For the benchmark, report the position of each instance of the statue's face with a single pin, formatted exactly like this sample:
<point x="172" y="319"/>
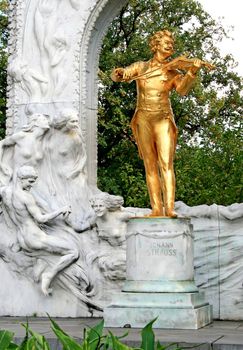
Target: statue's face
<point x="27" y="183"/>
<point x="166" y="46"/>
<point x="73" y="122"/>
<point x="99" y="208"/>
<point x="42" y="121"/>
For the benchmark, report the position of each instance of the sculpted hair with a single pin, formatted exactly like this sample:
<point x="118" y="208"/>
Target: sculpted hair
<point x="34" y="121"/>
<point x="155" y="39"/>
<point x="60" y="121"/>
<point x="111" y="202"/>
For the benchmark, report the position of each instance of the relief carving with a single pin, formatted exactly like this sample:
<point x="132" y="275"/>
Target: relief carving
<point x="53" y="45"/>
<point x="32" y="82"/>
<point x="50" y="230"/>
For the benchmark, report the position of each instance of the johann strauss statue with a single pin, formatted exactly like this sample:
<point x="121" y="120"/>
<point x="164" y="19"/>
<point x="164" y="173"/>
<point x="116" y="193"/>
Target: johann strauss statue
<point x="153" y="123"/>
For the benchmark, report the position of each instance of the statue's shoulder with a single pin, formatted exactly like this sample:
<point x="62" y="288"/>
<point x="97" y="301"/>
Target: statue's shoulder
<point x="140" y="64"/>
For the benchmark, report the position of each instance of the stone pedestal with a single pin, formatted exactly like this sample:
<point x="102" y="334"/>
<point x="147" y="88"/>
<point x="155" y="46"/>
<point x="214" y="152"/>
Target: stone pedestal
<point x="160" y="278"/>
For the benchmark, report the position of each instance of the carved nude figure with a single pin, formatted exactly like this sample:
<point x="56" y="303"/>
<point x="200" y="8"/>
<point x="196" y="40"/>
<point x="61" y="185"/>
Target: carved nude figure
<point x="67" y="126"/>
<point x="53" y="45"/>
<point x="111" y="218"/>
<point x="32" y="82"/>
<point x="111" y="221"/>
<point x="25" y="145"/>
<point x="66" y="156"/>
<point x="28" y="217"/>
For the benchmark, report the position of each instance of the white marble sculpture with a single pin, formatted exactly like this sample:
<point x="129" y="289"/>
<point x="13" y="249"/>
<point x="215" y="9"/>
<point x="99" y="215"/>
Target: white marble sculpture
<point x="23" y="147"/>
<point x="65" y="162"/>
<point x="52" y="44"/>
<point x="25" y="214"/>
<point x="218" y="255"/>
<point x="111" y="218"/>
<point x="48" y="224"/>
<point x="30" y="81"/>
<point x="111" y="221"/>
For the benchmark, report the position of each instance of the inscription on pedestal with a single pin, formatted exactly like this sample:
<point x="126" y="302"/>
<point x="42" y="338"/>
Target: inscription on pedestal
<point x="161" y="248"/>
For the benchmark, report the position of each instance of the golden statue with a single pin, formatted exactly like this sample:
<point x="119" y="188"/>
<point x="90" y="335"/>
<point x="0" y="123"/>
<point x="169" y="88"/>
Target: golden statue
<point x="153" y="123"/>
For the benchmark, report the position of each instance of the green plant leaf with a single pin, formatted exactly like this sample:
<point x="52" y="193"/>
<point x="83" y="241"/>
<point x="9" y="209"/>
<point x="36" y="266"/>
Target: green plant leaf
<point x="68" y="342"/>
<point x="56" y="326"/>
<point x="107" y="344"/>
<point x="94" y="335"/>
<point x="167" y="346"/>
<point x="32" y="344"/>
<point x="123" y="335"/>
<point x="159" y="346"/>
<point x="24" y="342"/>
<point x="5" y="339"/>
<point x="148" y="342"/>
<point x="13" y="346"/>
<point x="40" y="340"/>
<point x="117" y="345"/>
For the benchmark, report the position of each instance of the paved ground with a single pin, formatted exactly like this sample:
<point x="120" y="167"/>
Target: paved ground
<point x="221" y="335"/>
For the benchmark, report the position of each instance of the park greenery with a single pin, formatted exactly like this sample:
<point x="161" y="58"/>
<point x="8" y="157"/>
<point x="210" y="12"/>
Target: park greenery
<point x="93" y="339"/>
<point x="208" y="160"/>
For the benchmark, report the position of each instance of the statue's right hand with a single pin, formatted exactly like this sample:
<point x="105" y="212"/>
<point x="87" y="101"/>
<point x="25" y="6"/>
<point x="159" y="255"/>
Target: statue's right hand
<point x="117" y="74"/>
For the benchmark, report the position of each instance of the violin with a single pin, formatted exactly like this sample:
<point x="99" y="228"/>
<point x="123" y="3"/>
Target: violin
<point x="180" y="63"/>
<point x="185" y="63"/>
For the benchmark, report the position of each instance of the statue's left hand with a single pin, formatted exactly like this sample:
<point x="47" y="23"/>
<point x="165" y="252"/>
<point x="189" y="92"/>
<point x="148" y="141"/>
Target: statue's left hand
<point x="197" y="64"/>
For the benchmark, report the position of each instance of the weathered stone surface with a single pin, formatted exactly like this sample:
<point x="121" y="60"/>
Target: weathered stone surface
<point x="153" y="246"/>
<point x="167" y="318"/>
<point x="160" y="277"/>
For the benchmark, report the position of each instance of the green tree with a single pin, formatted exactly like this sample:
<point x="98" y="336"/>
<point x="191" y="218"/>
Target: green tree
<point x="209" y="120"/>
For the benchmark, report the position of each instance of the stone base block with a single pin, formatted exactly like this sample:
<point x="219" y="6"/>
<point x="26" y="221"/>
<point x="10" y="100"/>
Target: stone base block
<point x="160" y="286"/>
<point x="172" y="310"/>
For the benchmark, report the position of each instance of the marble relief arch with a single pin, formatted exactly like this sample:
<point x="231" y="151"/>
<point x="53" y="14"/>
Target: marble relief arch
<point x="58" y="244"/>
<point x="51" y="231"/>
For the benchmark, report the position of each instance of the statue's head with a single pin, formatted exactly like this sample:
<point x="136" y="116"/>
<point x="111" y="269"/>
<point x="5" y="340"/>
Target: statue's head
<point x="27" y="176"/>
<point x="17" y="68"/>
<point x="162" y="41"/>
<point x="68" y="120"/>
<point x="104" y="202"/>
<point x="37" y="120"/>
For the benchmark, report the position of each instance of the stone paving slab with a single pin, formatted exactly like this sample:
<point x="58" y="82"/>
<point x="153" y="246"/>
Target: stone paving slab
<point x="221" y="335"/>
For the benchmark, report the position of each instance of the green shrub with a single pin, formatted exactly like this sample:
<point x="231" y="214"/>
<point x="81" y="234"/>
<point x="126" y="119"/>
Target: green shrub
<point x="93" y="339"/>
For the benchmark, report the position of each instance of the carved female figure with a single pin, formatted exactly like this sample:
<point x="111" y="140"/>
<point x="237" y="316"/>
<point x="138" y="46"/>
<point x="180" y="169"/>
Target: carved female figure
<point x="66" y="159"/>
<point x="111" y="218"/>
<point x="25" y="147"/>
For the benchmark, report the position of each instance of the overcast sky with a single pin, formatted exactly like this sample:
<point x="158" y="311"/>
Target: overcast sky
<point x="232" y="11"/>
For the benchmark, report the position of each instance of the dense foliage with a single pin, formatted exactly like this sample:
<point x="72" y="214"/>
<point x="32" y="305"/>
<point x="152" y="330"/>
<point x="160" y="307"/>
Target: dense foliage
<point x="209" y="153"/>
